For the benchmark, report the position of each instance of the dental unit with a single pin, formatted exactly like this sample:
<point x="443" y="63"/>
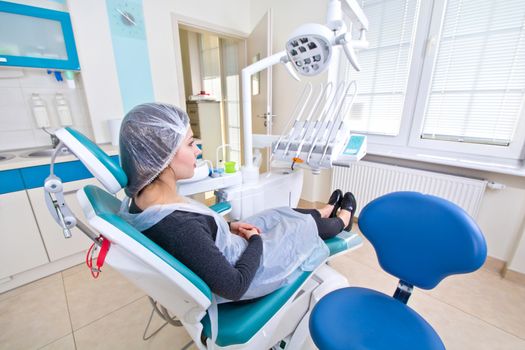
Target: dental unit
<point x="308" y="52"/>
<point x="318" y="137"/>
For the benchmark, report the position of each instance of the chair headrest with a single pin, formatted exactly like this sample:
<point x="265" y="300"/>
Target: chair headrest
<point x="422" y="239"/>
<point x="95" y="159"/>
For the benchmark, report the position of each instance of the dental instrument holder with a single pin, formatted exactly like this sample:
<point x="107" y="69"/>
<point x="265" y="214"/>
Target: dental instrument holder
<point x="57" y="206"/>
<point x="326" y="141"/>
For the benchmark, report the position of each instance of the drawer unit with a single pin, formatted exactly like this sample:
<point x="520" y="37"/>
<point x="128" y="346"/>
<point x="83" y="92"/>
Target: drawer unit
<point x="30" y="237"/>
<point x="22" y="247"/>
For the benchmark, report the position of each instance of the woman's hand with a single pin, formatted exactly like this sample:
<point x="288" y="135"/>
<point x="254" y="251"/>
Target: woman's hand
<point x="235" y="227"/>
<point x="247" y="234"/>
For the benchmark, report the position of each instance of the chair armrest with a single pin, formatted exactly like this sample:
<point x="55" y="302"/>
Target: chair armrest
<point x="222" y="208"/>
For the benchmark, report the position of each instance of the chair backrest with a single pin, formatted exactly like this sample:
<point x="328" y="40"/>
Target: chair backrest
<point x="147" y="265"/>
<point x="422" y="239"/>
<point x="96" y="160"/>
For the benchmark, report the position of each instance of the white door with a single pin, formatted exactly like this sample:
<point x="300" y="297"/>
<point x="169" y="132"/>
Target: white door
<point x="259" y="45"/>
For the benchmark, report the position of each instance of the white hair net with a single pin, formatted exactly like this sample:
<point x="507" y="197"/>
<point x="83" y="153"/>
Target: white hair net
<point x="150" y="135"/>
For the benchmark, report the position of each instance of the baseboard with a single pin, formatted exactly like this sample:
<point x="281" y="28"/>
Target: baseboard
<point x="512" y="275"/>
<point x="494" y="265"/>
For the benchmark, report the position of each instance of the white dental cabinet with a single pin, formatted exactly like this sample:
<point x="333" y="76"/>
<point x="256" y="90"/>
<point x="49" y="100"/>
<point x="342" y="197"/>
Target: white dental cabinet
<point x="33" y="245"/>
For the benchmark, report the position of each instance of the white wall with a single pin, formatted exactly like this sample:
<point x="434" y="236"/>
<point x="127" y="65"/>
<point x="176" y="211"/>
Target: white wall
<point x="518" y="257"/>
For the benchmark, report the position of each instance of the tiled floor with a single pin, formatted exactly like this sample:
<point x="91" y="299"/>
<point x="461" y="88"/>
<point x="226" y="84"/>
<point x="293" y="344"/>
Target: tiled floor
<point x="70" y="310"/>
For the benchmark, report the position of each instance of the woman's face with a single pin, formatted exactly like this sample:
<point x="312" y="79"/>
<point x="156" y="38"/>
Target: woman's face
<point x="184" y="161"/>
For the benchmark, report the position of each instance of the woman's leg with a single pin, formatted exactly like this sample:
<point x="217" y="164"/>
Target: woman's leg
<point x="327" y="227"/>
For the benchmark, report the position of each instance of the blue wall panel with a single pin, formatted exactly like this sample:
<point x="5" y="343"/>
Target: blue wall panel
<point x="11" y="181"/>
<point x="130" y="48"/>
<point x="34" y="177"/>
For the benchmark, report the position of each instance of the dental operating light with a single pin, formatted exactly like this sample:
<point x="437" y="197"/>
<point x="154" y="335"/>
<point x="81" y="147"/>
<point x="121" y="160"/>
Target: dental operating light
<point x="309" y="48"/>
<point x="310" y="53"/>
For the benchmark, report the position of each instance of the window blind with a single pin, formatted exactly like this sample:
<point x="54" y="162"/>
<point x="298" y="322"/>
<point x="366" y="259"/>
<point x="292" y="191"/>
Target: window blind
<point x="382" y="82"/>
<point x="478" y="84"/>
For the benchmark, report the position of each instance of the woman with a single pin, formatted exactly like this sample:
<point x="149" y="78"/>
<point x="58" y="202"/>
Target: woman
<point x="238" y="260"/>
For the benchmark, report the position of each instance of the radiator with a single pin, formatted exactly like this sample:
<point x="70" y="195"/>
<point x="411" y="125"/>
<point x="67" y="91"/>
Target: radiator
<point x="369" y="180"/>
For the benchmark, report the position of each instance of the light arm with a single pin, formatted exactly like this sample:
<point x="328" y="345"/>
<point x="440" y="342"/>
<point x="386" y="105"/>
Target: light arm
<point x="250" y="172"/>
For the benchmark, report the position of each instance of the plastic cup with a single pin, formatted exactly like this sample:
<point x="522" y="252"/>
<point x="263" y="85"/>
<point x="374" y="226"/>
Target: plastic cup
<point x="229" y="167"/>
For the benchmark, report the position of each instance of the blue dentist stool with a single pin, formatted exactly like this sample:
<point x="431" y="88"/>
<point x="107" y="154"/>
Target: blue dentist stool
<point x="420" y="239"/>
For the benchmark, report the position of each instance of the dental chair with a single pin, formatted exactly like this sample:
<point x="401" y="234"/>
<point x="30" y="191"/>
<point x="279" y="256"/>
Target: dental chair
<point x="421" y="239"/>
<point x="278" y="320"/>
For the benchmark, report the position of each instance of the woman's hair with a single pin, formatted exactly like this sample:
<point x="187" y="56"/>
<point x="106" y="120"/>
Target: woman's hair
<point x="150" y="135"/>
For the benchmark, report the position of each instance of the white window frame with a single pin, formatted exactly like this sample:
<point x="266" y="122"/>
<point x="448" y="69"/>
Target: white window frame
<point x="513" y="151"/>
<point x="408" y="144"/>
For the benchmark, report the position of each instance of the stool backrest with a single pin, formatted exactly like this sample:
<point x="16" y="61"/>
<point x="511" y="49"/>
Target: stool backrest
<point x="422" y="239"/>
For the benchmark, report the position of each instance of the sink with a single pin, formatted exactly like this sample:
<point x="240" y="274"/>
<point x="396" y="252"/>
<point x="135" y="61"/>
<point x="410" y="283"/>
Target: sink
<point x="46" y="152"/>
<point x="6" y="156"/>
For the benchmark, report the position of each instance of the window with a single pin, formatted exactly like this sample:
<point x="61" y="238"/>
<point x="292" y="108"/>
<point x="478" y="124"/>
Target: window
<point x="382" y="81"/>
<point x="210" y="64"/>
<point x="446" y="76"/>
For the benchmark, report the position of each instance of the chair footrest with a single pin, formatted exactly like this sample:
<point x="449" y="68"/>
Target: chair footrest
<point x="343" y="241"/>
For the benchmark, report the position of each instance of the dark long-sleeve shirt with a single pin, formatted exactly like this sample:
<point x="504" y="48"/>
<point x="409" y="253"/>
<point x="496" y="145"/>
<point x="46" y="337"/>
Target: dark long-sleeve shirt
<point x="190" y="238"/>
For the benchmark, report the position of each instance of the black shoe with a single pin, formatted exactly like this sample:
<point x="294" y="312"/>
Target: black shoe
<point x="349" y="203"/>
<point x="335" y="200"/>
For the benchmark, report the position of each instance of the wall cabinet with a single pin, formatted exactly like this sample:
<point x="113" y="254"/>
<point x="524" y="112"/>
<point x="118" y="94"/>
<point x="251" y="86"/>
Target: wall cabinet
<point x="36" y="37"/>
<point x="57" y="246"/>
<point x="205" y="120"/>
<point x="22" y="247"/>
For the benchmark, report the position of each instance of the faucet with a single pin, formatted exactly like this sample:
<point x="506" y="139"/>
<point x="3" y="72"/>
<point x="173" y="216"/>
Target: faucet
<point x="54" y="140"/>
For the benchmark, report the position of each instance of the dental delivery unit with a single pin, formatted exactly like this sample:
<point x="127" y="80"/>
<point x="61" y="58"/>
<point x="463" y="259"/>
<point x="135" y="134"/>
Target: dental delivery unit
<point x="317" y="137"/>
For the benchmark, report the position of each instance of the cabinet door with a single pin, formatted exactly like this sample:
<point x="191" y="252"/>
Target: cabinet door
<point x="36" y="37"/>
<point x="21" y="246"/>
<point x="57" y="246"/>
<point x="210" y="130"/>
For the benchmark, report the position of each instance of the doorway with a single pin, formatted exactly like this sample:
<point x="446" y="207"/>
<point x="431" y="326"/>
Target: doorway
<point x="211" y="64"/>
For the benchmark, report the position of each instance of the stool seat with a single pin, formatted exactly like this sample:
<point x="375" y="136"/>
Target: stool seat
<point x="360" y="318"/>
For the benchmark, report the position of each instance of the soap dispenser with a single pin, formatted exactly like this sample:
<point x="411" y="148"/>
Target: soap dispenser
<point x="38" y="106"/>
<point x="63" y="111"/>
